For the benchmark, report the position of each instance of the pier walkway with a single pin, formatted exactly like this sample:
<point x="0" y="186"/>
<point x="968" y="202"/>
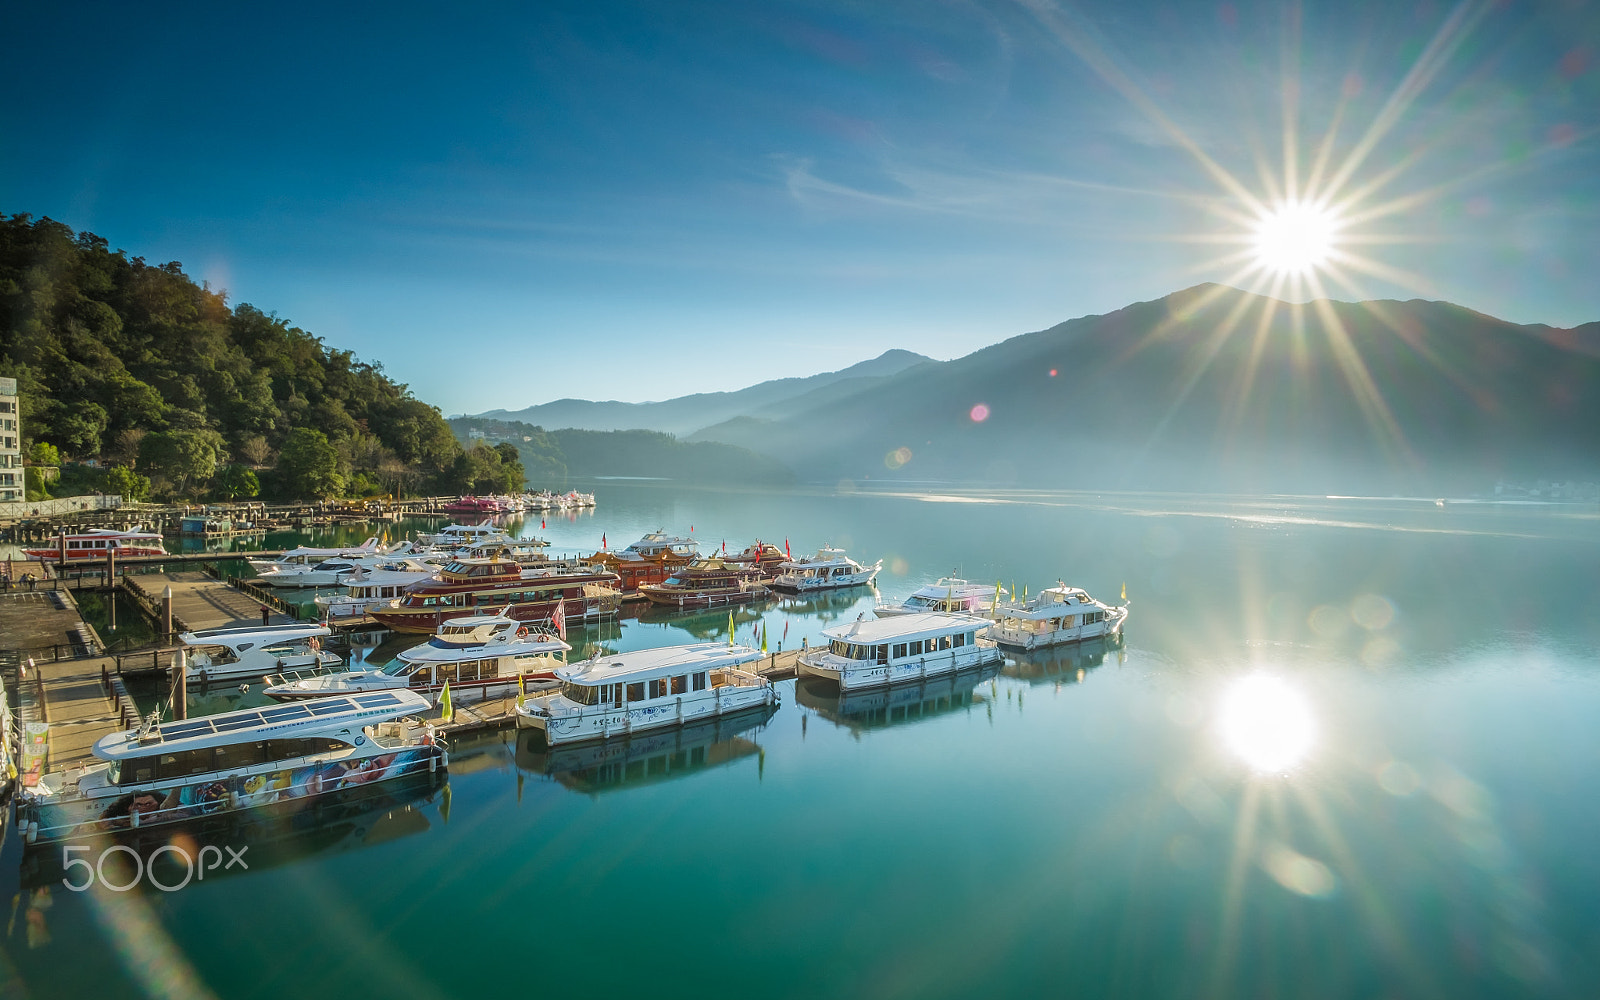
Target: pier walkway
<point x="200" y="602"/>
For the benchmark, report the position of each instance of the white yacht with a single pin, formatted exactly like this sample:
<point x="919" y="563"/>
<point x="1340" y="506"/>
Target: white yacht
<point x="828" y="569"/>
<point x="950" y="594"/>
<point x="327" y="573"/>
<point x="175" y="771"/>
<point x="871" y="652"/>
<point x="1059" y="615"/>
<point x="307" y="556"/>
<point x="656" y="545"/>
<point x="253" y="651"/>
<point x="630" y="692"/>
<point x="382" y="583"/>
<point x="460" y="536"/>
<point x="479" y="656"/>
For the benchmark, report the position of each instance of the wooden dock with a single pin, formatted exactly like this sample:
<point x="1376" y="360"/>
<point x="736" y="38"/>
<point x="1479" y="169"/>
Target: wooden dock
<point x="199" y="601"/>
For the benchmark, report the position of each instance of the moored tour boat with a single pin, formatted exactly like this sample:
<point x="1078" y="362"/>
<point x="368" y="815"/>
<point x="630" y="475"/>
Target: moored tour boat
<point x="651" y="559"/>
<point x="365" y="588"/>
<point x="1058" y="615"/>
<point x="527" y="595"/>
<point x="479" y="656"/>
<point x="307" y="556"/>
<point x="97" y="543"/>
<point x="629" y="692"/>
<point x="460" y="536"/>
<point x="949" y="594"/>
<point x="763" y="558"/>
<point x="828" y="569"/>
<point x="277" y="756"/>
<point x="706" y="583"/>
<point x="253" y="651"/>
<point x="871" y="652"/>
<point x="475" y="505"/>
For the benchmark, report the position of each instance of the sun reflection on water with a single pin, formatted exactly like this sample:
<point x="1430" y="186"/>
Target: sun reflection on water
<point x="1267" y="723"/>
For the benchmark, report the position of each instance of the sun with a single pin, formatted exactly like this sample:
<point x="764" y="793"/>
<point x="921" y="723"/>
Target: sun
<point x="1266" y="723"/>
<point x="1295" y="238"/>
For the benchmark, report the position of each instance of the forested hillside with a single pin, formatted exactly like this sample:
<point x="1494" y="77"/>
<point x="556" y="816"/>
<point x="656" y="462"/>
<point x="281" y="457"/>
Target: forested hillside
<point x="172" y="390"/>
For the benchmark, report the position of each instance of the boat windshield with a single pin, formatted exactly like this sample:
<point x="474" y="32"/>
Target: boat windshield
<point x="397" y="668"/>
<point x="672" y="581"/>
<point x="583" y="694"/>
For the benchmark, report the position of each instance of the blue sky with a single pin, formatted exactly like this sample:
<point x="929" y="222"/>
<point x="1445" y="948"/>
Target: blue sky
<point x="506" y="205"/>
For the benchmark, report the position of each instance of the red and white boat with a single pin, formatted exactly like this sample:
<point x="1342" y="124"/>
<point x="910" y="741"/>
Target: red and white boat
<point x="97" y="543"/>
<point x="504" y="586"/>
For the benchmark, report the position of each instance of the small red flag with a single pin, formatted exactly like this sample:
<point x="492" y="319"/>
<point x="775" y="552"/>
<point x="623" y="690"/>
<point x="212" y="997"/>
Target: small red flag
<point x="602" y="541"/>
<point x="786" y="551"/>
<point x="541" y="524"/>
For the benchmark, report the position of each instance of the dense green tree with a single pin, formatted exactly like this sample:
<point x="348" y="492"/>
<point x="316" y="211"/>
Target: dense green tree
<point x="44" y="453"/>
<point x="128" y="484"/>
<point x="308" y="466"/>
<point x="236" y="482"/>
<point x="184" y="460"/>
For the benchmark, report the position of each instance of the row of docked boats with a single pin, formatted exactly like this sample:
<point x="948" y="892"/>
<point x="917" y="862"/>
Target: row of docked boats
<point x="332" y="731"/>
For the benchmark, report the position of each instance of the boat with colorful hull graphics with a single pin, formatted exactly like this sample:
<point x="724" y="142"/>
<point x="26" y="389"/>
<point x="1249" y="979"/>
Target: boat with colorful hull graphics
<point x="278" y="756"/>
<point x="652" y="559"/>
<point x="707" y="583"/>
<point x="479" y="656"/>
<point x="501" y="585"/>
<point x="626" y="693"/>
<point x="872" y="652"/>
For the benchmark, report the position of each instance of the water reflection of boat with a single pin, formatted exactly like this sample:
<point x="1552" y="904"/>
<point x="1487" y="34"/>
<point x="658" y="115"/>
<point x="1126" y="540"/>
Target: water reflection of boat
<point x="879" y="707"/>
<point x="346" y="820"/>
<point x="704" y="624"/>
<point x="829" y="605"/>
<point x="646" y="757"/>
<point x="1058" y="663"/>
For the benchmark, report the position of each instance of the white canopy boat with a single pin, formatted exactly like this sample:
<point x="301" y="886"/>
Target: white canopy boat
<point x="460" y="536"/>
<point x="1058" y="615"/>
<point x="630" y="692"/>
<point x="306" y="556"/>
<point x="828" y="569"/>
<point x="479" y="656"/>
<point x="253" y="651"/>
<point x="383" y="583"/>
<point x="950" y="594"/>
<point x="871" y="652"/>
<point x="282" y="754"/>
<point x="327" y="573"/>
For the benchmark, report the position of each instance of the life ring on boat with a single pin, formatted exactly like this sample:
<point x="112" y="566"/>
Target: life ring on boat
<point x="522" y="632"/>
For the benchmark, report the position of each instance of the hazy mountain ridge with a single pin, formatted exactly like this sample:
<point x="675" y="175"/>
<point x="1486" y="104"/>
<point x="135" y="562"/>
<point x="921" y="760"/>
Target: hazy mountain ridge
<point x="1411" y="395"/>
<point x="684" y="414"/>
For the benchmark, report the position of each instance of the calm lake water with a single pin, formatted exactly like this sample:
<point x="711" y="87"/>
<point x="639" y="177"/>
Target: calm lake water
<point x="1348" y="749"/>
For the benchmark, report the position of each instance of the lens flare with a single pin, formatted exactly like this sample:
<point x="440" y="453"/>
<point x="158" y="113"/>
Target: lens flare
<point x="1295" y="238"/>
<point x="979" y="413"/>
<point x="1266" y="723"/>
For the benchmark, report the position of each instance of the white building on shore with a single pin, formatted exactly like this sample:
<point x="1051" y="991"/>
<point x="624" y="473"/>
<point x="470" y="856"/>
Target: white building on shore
<point x="12" y="485"/>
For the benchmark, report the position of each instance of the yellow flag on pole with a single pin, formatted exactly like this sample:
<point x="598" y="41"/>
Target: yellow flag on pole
<point x="730" y="628"/>
<point x="1124" y="590"/>
<point x="446" y="712"/>
<point x="522" y="692"/>
<point x="763" y="637"/>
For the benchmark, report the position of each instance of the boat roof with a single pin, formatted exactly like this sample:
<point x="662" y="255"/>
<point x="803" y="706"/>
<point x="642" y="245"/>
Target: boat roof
<point x="253" y="633"/>
<point x="248" y="724"/>
<point x="111" y="533"/>
<point x="953" y="585"/>
<point x="645" y="664"/>
<point x="874" y="630"/>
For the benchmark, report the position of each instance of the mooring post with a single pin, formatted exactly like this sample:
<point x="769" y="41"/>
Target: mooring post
<point x="166" y="614"/>
<point x="180" y="685"/>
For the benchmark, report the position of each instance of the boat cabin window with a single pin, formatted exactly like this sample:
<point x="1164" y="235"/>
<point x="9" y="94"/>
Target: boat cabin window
<point x="636" y="691"/>
<point x="680" y="684"/>
<point x="972" y="638"/>
<point x="583" y="694"/>
<point x="883" y="654"/>
<point x="700" y="681"/>
<point x="916" y="648"/>
<point x="230" y="757"/>
<point x="899" y="650"/>
<point x="961" y="639"/>
<point x="658" y="687"/>
<point x="944" y="642"/>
